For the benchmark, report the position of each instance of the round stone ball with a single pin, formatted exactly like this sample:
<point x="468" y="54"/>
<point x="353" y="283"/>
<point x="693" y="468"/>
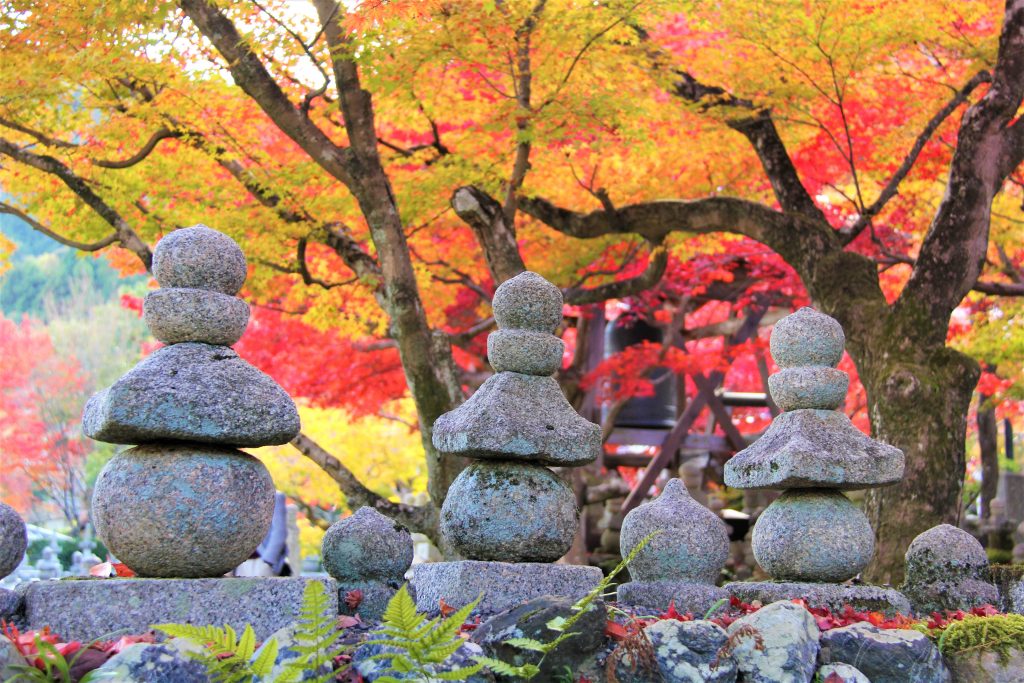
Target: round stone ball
<point x="183" y="510"/>
<point x="13" y="539"/>
<point x="199" y="258"/>
<point x="176" y="315"/>
<point x="531" y="353"/>
<point x="807" y="337"/>
<point x="367" y="546"/>
<point x="528" y="302"/>
<point x="692" y="543"/>
<point x="813" y="387"/>
<point x="813" y="535"/>
<point x="509" y="512"/>
<point x="945" y="553"/>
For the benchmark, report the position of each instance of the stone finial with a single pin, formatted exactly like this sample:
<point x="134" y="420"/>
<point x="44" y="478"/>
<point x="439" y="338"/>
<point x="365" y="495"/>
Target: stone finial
<point x="807" y="338"/>
<point x="13" y="539"/>
<point x="947" y="569"/>
<point x="199" y="258"/>
<point x="528" y="302"/>
<point x="367" y="546"/>
<point x="841" y="539"/>
<point x="692" y="543"/>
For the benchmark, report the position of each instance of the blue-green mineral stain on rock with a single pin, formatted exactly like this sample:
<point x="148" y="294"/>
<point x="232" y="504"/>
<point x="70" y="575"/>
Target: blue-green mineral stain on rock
<point x="367" y="546"/>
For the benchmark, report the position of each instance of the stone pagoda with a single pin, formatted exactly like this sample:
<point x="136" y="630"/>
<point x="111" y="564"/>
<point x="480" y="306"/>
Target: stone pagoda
<point x="507" y="514"/>
<point x="813" y="537"/>
<point x="185" y="502"/>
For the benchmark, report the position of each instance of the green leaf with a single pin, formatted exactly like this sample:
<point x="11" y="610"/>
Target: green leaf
<point x="247" y="643"/>
<point x="525" y="644"/>
<point x="264" y="662"/>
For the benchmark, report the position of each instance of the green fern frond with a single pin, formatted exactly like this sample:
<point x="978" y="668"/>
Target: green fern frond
<point x="525" y="671"/>
<point x="525" y="644"/>
<point x="264" y="662"/>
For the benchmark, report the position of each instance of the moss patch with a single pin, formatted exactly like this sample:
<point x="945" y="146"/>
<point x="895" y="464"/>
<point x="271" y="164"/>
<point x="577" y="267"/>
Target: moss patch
<point x="1000" y="634"/>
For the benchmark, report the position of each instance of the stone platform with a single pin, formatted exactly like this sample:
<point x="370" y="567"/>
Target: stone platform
<point x="87" y="609"/>
<point x="502" y="584"/>
<point x="832" y="595"/>
<point x="687" y="596"/>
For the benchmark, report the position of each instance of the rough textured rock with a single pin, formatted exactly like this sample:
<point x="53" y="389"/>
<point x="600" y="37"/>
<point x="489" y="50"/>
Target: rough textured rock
<point x="528" y="302"/>
<point x="503" y="584"/>
<point x="529" y="620"/>
<point x="1016" y="598"/>
<point x="373" y="598"/>
<point x="686" y="596"/>
<point x="193" y="392"/>
<point x="684" y="652"/>
<point x="832" y="595"/>
<point x="287" y="653"/>
<point x="813" y="535"/>
<point x="812" y="387"/>
<point x="10" y="604"/>
<point x="807" y="337"/>
<point x="840" y="673"/>
<point x="513" y="416"/>
<point x="199" y="258"/>
<point x="13" y="539"/>
<point x="9" y="658"/>
<point x="167" y="662"/>
<point x="367" y="663"/>
<point x="367" y="546"/>
<point x="524" y="351"/>
<point x="947" y="569"/>
<point x="692" y="543"/>
<point x="885" y="655"/>
<point x="88" y="609"/>
<point x="510" y="512"/>
<point x="776" y="644"/>
<point x="814" y="449"/>
<point x="183" y="510"/>
<point x="986" y="667"/>
<point x="195" y="315"/>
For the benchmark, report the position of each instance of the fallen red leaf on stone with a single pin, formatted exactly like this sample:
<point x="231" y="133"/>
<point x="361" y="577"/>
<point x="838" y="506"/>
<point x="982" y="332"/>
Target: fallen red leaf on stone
<point x="123" y="570"/>
<point x="446" y="609"/>
<point x="354" y="598"/>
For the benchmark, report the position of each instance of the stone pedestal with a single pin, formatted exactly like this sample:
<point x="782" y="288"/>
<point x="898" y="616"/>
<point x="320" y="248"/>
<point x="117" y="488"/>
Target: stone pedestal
<point x="502" y="584"/>
<point x="831" y="595"/>
<point x="89" y="609"/>
<point x="686" y="596"/>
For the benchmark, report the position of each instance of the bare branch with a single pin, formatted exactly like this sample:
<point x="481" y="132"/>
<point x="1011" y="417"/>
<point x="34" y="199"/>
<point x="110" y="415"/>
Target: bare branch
<point x="651" y="275"/>
<point x="39" y="227"/>
<point x="147" y="149"/>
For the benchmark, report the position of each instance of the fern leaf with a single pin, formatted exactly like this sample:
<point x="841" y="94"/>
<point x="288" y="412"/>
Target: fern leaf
<point x="264" y="662"/>
<point x="460" y="674"/>
<point x="525" y="671"/>
<point x="526" y="644"/>
<point x="247" y="643"/>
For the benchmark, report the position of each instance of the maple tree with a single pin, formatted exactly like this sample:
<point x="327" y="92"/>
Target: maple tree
<point x="386" y="165"/>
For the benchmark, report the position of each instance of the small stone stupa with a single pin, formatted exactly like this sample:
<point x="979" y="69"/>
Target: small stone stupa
<point x="813" y="537"/>
<point x="507" y="513"/>
<point x="13" y="542"/>
<point x="681" y="564"/>
<point x="185" y="502"/>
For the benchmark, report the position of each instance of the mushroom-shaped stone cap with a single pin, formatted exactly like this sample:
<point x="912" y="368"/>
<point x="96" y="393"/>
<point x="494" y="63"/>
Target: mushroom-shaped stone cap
<point x="13" y="539"/>
<point x="199" y="258"/>
<point x="367" y="546"/>
<point x="807" y="337"/>
<point x="693" y="543"/>
<point x="528" y="302"/>
<point x="945" y="553"/>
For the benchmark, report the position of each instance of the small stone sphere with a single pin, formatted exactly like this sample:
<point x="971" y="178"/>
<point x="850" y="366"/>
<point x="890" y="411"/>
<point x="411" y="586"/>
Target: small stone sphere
<point x="525" y="351"/>
<point x="367" y="546"/>
<point x="199" y="258"/>
<point x="813" y="535"/>
<point x="807" y="337"/>
<point x="183" y="510"/>
<point x="509" y="512"/>
<point x="176" y="315"/>
<point x="13" y="539"/>
<point x="945" y="553"/>
<point x="814" y="387"/>
<point x="528" y="302"/>
<point x="692" y="543"/>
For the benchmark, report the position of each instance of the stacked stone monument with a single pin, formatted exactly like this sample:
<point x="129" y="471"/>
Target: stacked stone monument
<point x="13" y="542"/>
<point x="681" y="564"/>
<point x="368" y="554"/>
<point x="813" y="537"/>
<point x="507" y="513"/>
<point x="947" y="569"/>
<point x="185" y="502"/>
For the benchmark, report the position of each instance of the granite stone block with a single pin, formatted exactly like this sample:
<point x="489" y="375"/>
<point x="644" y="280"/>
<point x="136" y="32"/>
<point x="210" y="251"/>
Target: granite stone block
<point x="831" y="595"/>
<point x="687" y="596"/>
<point x="179" y="315"/>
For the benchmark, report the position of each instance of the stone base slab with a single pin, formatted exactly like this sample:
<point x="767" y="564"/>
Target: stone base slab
<point x="88" y="609"/>
<point x="502" y="584"/>
<point x="686" y="596"/>
<point x="832" y="595"/>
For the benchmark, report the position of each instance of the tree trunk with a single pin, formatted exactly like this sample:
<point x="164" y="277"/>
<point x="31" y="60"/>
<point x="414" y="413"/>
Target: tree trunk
<point x="988" y="446"/>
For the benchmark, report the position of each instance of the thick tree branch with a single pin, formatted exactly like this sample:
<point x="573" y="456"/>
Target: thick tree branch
<point x="892" y="187"/>
<point x="126" y="236"/>
<point x="154" y="140"/>
<point x="35" y="134"/>
<point x="39" y="227"/>
<point x="650" y="276"/>
<point x="422" y="520"/>
<point x="497" y="237"/>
